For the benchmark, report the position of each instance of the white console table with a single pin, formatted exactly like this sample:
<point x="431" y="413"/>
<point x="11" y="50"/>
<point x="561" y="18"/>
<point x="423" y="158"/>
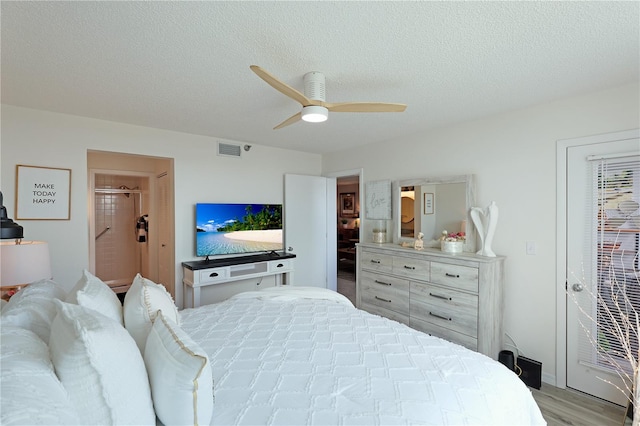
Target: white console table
<point x="203" y="273"/>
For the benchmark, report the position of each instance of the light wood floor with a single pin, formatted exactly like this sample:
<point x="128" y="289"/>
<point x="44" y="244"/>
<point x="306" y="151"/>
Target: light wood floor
<point x="569" y="407"/>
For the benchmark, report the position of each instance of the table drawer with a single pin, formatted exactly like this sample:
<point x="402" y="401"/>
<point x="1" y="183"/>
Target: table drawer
<point x="212" y="275"/>
<point x="281" y="265"/>
<point x="411" y="268"/>
<point x="376" y="262"/>
<point x="456" y="276"/>
<point x="447" y="308"/>
<point x="385" y="291"/>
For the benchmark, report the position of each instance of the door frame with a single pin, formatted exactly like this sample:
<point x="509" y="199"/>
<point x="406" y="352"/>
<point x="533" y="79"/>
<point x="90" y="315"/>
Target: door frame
<point x="562" y="147"/>
<point x="352" y="172"/>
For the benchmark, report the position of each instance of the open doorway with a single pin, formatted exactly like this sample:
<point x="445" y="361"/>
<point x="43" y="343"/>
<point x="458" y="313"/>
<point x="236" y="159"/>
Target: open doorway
<point x="131" y="219"/>
<point x="348" y="233"/>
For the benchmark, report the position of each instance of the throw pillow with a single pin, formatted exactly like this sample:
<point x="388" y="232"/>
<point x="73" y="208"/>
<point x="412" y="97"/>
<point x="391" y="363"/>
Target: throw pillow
<point x="141" y="305"/>
<point x="180" y="375"/>
<point x="31" y="391"/>
<point x="32" y="307"/>
<point x="93" y="293"/>
<point x="100" y="366"/>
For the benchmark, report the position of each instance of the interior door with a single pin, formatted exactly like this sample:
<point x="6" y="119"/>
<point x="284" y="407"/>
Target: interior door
<point x="586" y="370"/>
<point x="164" y="231"/>
<point x="309" y="214"/>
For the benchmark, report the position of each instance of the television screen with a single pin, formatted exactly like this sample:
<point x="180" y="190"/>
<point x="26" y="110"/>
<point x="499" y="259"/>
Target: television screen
<point x="223" y="229"/>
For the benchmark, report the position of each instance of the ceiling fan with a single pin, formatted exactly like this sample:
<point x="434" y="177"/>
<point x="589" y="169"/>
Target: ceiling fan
<point x="314" y="107"/>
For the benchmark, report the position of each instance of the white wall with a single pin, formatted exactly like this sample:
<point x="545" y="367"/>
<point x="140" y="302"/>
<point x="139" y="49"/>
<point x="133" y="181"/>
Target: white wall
<point x="42" y="138"/>
<point x="513" y="156"/>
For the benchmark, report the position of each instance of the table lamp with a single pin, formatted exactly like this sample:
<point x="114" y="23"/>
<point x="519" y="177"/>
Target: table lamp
<point x="21" y="262"/>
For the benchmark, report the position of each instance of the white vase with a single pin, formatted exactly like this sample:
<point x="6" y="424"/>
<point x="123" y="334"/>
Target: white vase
<point x="451" y="246"/>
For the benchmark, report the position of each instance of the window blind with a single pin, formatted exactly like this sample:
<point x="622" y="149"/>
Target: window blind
<point x="614" y="228"/>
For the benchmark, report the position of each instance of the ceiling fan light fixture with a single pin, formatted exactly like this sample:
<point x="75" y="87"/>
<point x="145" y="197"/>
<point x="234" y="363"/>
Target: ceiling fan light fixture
<point x="315" y="114"/>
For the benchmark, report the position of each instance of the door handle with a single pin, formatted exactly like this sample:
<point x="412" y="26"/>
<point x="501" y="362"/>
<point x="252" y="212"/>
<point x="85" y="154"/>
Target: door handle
<point x="577" y="287"/>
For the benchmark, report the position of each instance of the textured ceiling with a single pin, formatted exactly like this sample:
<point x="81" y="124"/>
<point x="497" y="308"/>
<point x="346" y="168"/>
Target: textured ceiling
<point x="184" y="66"/>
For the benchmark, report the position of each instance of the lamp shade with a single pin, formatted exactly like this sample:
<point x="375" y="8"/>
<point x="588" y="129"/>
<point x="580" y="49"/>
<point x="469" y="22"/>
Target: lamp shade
<point x="23" y="263"/>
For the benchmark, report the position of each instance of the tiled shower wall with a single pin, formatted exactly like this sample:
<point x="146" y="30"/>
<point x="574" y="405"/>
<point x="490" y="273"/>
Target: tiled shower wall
<point x="118" y="254"/>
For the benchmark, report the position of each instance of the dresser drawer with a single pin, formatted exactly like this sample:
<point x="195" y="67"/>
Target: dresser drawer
<point x="445" y="307"/>
<point x="377" y="310"/>
<point x="411" y="268"/>
<point x="213" y="274"/>
<point x="445" y="333"/>
<point x="387" y="292"/>
<point x="456" y="276"/>
<point x="376" y="262"/>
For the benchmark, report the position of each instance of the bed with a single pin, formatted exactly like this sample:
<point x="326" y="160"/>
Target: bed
<point x="307" y="356"/>
<point x="280" y="356"/>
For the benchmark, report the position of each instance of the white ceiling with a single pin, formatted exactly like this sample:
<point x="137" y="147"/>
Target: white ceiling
<point x="184" y="66"/>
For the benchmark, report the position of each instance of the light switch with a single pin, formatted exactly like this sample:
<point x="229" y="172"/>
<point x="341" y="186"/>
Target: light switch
<point x="531" y="247"/>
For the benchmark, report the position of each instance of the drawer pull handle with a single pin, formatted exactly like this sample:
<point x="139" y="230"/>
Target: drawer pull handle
<point x="409" y="267"/>
<point x="280" y="265"/>
<point x="439" y="296"/>
<point x="382" y="282"/>
<point x="375" y="261"/>
<point x="213" y="274"/>
<point x="439" y="316"/>
<point x="452" y="275"/>
<point x="384" y="300"/>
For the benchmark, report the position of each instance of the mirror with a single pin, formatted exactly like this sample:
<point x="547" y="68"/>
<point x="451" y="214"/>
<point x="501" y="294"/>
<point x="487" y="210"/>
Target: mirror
<point x="431" y="205"/>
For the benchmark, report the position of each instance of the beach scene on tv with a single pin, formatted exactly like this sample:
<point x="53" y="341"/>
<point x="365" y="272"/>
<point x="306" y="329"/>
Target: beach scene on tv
<point x="237" y="228"/>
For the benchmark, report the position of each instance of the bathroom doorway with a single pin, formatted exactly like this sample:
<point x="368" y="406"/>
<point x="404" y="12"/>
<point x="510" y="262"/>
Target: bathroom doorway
<point x="121" y="211"/>
<point x="129" y="196"/>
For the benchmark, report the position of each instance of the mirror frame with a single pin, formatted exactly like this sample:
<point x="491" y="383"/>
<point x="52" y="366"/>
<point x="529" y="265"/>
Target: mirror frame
<point x="468" y="180"/>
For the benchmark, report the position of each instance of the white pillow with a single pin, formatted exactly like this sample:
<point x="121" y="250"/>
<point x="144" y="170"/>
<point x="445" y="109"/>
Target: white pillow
<point x="141" y="305"/>
<point x="32" y="307"/>
<point x="101" y="368"/>
<point x="93" y="293"/>
<point x="31" y="391"/>
<point x="180" y="375"/>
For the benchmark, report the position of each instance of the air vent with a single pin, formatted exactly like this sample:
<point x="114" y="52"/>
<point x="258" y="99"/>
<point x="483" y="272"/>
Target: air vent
<point x="229" y="150"/>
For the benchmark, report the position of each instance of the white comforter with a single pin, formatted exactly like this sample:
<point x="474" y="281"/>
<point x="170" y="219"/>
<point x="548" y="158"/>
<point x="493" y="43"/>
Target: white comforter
<point x="295" y="356"/>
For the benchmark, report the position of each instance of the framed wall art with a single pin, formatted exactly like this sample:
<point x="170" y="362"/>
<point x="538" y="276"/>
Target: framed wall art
<point x="348" y="204"/>
<point x="42" y="193"/>
<point x="378" y="200"/>
<point x="428" y="203"/>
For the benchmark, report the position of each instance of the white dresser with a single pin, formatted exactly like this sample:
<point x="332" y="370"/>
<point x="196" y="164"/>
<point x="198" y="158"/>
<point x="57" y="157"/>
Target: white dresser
<point x="458" y="297"/>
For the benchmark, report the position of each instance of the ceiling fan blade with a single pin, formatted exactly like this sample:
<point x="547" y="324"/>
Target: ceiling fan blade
<point x="295" y="117"/>
<point x="364" y="107"/>
<point x="280" y="86"/>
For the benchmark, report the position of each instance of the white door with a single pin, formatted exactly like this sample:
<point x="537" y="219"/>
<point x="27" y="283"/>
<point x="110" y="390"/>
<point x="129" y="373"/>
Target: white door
<point x="309" y="212"/>
<point x="164" y="231"/>
<point x="587" y="258"/>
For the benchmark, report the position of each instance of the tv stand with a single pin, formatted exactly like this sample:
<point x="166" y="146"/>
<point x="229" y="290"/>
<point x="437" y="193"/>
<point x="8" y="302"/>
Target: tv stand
<point x="208" y="272"/>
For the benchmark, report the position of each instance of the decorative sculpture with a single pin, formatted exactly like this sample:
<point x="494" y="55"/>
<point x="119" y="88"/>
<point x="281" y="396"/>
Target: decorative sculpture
<point x="419" y="243"/>
<point x="485" y="221"/>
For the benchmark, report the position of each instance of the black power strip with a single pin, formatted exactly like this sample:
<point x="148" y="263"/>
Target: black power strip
<point x="531" y="371"/>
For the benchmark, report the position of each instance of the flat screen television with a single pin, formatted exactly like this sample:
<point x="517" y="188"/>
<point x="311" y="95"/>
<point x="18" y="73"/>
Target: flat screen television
<point x="228" y="229"/>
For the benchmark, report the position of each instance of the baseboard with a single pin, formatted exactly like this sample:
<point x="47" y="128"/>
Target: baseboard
<point x="549" y="379"/>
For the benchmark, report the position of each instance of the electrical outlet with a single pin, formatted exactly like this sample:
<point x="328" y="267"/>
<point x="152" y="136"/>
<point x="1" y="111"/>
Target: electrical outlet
<point x="531" y="247"/>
